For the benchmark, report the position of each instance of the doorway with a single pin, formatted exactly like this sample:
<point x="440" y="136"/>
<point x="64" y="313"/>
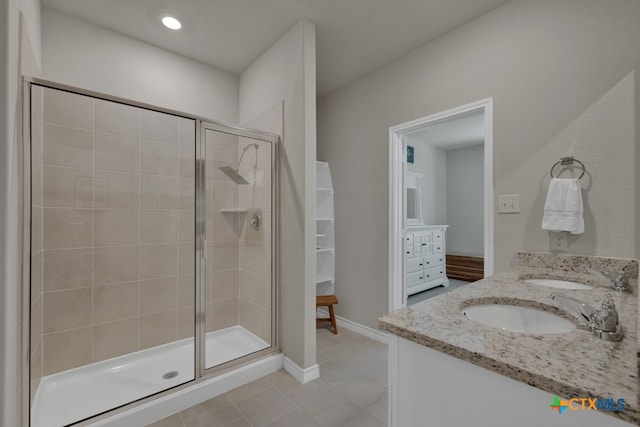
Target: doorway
<point x="440" y="187"/>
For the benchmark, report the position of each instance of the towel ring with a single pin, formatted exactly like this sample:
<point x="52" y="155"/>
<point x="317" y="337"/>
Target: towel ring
<point x="566" y="161"/>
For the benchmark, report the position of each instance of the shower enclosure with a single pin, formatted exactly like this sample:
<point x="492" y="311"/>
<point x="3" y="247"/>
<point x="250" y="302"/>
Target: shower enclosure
<point x="152" y="260"/>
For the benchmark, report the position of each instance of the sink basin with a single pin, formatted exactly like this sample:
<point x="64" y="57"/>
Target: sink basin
<point x="518" y="319"/>
<point x="559" y="284"/>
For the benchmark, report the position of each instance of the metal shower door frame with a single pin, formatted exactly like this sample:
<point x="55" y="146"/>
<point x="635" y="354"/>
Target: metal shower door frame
<point x="201" y="125"/>
<point x="201" y="241"/>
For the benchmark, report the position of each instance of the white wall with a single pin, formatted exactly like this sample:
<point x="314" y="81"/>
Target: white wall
<point x="560" y="73"/>
<point x="19" y="39"/>
<point x="465" y="200"/>
<point x="431" y="162"/>
<point x="286" y="72"/>
<point x="81" y="54"/>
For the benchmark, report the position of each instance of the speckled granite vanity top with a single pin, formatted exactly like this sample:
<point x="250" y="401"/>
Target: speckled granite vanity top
<point x="572" y="364"/>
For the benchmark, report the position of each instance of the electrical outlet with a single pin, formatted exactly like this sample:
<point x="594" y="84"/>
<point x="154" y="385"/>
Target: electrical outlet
<point x="509" y="203"/>
<point x="559" y="240"/>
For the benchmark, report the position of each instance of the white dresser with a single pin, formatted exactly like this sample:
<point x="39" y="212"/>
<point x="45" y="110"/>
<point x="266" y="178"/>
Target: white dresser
<point x="424" y="258"/>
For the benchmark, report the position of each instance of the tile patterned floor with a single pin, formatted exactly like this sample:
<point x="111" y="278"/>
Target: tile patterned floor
<point x="351" y="392"/>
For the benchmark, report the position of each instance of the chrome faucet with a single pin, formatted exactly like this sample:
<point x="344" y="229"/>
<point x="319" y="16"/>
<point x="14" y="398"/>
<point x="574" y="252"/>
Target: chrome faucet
<point x="619" y="282"/>
<point x="603" y="322"/>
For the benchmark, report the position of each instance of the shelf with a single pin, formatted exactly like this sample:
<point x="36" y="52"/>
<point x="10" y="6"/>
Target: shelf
<point x="329" y="190"/>
<point x="323" y="279"/>
<point x="320" y="235"/>
<point x="324" y="219"/>
<point x="324" y="250"/>
<point x="238" y="210"/>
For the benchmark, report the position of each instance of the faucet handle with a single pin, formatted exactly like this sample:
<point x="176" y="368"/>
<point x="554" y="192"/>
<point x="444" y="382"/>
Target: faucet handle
<point x="604" y="322"/>
<point x="619" y="282"/>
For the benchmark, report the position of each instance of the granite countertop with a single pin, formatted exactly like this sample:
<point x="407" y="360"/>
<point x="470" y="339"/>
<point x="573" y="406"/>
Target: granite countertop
<point x="572" y="364"/>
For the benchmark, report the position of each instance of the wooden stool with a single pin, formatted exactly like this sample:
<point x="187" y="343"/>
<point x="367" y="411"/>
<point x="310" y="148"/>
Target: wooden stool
<point x="327" y="301"/>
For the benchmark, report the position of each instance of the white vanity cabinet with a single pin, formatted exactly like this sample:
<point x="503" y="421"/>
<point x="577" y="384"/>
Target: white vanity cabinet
<point x="424" y="258"/>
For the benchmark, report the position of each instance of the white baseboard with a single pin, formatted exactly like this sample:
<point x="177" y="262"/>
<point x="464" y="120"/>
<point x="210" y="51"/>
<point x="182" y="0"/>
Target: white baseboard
<point x="302" y="375"/>
<point x="352" y="326"/>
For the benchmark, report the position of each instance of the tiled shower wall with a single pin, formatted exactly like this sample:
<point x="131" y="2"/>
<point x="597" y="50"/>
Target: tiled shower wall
<point x="117" y="213"/>
<point x="223" y="230"/>
<point x="254" y="259"/>
<point x="239" y="262"/>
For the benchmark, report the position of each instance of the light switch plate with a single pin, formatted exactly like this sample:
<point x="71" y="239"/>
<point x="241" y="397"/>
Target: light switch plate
<point x="509" y="203"/>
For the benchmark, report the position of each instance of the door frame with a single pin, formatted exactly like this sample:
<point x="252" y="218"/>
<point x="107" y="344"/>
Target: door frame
<point x="397" y="160"/>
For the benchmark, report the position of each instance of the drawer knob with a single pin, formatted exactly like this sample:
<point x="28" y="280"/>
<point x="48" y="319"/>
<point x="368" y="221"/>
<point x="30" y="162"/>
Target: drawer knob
<point x="419" y="264"/>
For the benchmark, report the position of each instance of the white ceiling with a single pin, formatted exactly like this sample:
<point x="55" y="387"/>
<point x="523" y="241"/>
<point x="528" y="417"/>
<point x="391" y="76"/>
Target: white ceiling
<point x="458" y="132"/>
<point x="354" y="37"/>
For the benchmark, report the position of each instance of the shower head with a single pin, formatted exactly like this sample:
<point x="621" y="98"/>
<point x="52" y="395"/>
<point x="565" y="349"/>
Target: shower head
<point x="233" y="174"/>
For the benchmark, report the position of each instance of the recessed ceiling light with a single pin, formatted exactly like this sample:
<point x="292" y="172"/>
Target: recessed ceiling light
<point x="171" y="23"/>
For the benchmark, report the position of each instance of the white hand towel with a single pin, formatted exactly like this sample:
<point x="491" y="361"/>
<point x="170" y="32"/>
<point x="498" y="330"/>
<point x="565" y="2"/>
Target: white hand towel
<point x="563" y="209"/>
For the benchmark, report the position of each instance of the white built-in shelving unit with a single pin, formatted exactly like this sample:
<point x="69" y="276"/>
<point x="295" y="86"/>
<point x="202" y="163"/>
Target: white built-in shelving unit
<point x="325" y="241"/>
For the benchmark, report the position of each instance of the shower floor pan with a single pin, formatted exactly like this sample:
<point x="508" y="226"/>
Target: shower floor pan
<point x="76" y="394"/>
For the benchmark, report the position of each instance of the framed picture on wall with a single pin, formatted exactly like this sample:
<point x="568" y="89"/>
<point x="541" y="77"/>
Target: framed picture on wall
<point x="409" y="154"/>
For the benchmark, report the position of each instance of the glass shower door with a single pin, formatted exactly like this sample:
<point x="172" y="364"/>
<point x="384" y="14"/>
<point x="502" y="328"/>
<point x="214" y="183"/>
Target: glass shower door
<point x="239" y="268"/>
<point x="112" y="254"/>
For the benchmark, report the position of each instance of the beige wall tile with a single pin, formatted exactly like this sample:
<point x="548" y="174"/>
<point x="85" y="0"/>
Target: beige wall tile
<point x="116" y="118"/>
<point x="159" y="126"/>
<point x="67" y="350"/>
<point x="223" y="256"/>
<point x="115" y="265"/>
<point x="117" y="152"/>
<point x="255" y="319"/>
<point x="158" y="227"/>
<point x="225" y="285"/>
<point x="36" y="164"/>
<point x="222" y="314"/>
<point x="187" y="193"/>
<point x="67" y="187"/>
<point x="224" y="226"/>
<point x="187" y="132"/>
<point x="67" y="269"/>
<point x="186" y="290"/>
<point x="187" y="260"/>
<point x="115" y="302"/>
<point x="113" y="190"/>
<point x="36" y="369"/>
<point x="36" y="321"/>
<point x="158" y="295"/>
<point x="115" y="227"/>
<point x="221" y="195"/>
<point x="115" y="339"/>
<point x="158" y="261"/>
<point x="67" y="228"/>
<point x="63" y="146"/>
<point x="37" y="274"/>
<point x="67" y="109"/>
<point x="157" y="329"/>
<point x="159" y="158"/>
<point x="187" y="162"/>
<point x="186" y="322"/>
<point x="159" y="192"/>
<point x="67" y="309"/>
<point x="187" y="226"/>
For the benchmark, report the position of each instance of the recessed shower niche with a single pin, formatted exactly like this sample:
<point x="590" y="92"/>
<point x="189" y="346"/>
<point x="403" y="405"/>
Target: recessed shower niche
<point x="152" y="251"/>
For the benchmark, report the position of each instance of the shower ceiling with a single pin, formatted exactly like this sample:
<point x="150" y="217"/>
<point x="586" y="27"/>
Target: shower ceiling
<point x="353" y="37"/>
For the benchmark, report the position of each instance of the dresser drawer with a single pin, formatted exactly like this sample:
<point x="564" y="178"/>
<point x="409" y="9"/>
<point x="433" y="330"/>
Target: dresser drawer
<point x="415" y="279"/>
<point x="437" y="248"/>
<point x="433" y="273"/>
<point x="409" y="239"/>
<point x="408" y="251"/>
<point x="437" y="236"/>
<point x="415" y="264"/>
<point x="433" y="261"/>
